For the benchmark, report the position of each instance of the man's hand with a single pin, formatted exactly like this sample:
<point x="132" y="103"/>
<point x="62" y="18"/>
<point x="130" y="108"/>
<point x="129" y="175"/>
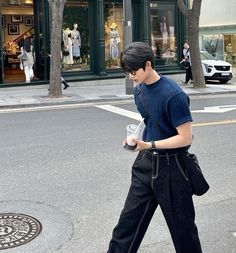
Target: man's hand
<point x="141" y="145"/>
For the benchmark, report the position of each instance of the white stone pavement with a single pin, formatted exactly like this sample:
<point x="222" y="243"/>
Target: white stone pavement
<point x="102" y="90"/>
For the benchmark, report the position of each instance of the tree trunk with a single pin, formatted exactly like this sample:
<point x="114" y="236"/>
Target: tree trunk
<point x="192" y="15"/>
<point x="57" y="8"/>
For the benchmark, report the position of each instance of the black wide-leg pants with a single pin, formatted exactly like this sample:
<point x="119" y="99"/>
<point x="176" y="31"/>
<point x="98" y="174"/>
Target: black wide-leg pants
<point x="157" y="180"/>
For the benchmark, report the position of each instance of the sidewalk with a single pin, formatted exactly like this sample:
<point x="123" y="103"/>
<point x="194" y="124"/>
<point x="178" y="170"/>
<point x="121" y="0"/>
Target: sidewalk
<point x="102" y="91"/>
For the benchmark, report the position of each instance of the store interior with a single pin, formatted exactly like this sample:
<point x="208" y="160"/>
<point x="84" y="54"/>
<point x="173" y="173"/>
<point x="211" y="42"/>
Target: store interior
<point x="17" y="20"/>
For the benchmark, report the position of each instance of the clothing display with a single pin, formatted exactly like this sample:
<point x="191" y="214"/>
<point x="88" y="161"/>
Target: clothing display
<point x="68" y="45"/>
<point x="114" y="40"/>
<point x="76" y="42"/>
<point x="164" y="31"/>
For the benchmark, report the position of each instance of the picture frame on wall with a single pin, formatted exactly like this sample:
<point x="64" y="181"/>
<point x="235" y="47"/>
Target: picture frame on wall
<point x="3" y="22"/>
<point x="13" y="29"/>
<point x="16" y="18"/>
<point x="29" y="21"/>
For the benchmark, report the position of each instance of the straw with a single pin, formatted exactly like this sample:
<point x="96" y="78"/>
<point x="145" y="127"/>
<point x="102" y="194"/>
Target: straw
<point x="139" y="125"/>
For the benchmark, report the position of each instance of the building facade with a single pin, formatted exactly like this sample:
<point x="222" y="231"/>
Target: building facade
<point x="92" y="37"/>
<point x="218" y="29"/>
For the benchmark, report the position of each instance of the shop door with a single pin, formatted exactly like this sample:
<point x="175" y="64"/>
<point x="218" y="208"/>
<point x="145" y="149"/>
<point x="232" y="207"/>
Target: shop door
<point x="41" y="40"/>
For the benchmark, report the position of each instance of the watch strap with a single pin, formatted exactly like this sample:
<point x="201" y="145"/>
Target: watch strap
<point x="153" y="146"/>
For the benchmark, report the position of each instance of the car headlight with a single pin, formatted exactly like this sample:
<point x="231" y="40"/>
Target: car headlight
<point x="208" y="67"/>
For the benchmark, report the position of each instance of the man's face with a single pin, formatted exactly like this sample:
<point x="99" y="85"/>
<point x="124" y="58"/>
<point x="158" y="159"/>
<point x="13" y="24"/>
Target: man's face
<point x="137" y="76"/>
<point x="141" y="75"/>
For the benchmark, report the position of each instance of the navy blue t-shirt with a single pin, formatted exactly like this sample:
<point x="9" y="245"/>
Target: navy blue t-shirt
<point x="164" y="106"/>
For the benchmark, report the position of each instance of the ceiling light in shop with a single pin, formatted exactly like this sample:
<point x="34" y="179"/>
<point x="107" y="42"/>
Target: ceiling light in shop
<point x="19" y="2"/>
<point x="14" y="1"/>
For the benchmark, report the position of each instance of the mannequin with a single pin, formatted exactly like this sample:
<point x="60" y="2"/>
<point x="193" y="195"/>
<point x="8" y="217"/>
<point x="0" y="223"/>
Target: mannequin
<point x="164" y="31"/>
<point x="68" y="45"/>
<point x="76" y="43"/>
<point x="114" y="40"/>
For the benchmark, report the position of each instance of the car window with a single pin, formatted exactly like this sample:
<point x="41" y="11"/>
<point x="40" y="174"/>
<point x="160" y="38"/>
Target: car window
<point x="206" y="56"/>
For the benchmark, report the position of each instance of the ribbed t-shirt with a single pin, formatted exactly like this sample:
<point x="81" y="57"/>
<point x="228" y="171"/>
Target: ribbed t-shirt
<point x="164" y="106"/>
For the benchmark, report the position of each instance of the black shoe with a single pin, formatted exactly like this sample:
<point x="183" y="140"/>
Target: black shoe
<point x="66" y="85"/>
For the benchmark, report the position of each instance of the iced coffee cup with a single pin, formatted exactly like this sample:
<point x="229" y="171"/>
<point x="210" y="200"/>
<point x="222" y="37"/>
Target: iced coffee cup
<point x="132" y="133"/>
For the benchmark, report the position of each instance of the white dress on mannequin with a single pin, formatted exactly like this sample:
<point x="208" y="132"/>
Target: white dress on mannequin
<point x="67" y="44"/>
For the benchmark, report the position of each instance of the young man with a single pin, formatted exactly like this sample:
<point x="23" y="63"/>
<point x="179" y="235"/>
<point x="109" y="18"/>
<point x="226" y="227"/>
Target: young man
<point x="158" y="174"/>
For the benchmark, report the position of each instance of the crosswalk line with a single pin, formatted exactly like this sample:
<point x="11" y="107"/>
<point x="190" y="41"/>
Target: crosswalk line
<point x="137" y="116"/>
<point x="120" y="111"/>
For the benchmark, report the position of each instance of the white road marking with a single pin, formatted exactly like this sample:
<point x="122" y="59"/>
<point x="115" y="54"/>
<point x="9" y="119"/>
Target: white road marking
<point x="120" y="111"/>
<point x="137" y="116"/>
<point x="216" y="109"/>
<point x="234" y="234"/>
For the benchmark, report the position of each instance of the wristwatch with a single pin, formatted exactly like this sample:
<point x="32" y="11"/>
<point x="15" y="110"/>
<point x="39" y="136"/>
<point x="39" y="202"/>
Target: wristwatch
<point x="153" y="146"/>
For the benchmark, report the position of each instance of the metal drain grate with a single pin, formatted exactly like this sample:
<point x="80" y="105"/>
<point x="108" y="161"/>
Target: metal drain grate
<point x="17" y="229"/>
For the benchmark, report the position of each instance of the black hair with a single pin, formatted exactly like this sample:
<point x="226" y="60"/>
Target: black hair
<point x="27" y="45"/>
<point x="135" y="57"/>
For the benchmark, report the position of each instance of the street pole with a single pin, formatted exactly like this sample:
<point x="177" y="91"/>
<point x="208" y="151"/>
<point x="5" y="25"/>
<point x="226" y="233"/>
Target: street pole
<point x="128" y="24"/>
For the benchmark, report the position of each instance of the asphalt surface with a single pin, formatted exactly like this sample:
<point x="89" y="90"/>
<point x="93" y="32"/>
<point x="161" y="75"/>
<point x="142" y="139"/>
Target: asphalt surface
<point x="67" y="168"/>
<point x="94" y="91"/>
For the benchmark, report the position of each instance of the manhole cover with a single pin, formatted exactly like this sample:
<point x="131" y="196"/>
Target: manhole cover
<point x="17" y="229"/>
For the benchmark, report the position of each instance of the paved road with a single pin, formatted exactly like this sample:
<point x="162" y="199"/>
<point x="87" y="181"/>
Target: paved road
<point x="67" y="168"/>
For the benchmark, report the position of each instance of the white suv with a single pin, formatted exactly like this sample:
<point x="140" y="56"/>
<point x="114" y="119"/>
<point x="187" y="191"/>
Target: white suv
<point x="214" y="69"/>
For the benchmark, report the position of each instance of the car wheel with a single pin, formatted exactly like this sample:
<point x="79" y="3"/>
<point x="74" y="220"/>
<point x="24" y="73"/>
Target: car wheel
<point x="224" y="81"/>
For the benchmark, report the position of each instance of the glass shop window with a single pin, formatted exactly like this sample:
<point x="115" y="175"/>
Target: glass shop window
<point x="163" y="33"/>
<point x="230" y="48"/>
<point x="75" y="37"/>
<point x="213" y="44"/>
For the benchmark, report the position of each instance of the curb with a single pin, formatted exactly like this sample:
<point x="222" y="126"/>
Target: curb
<point x="73" y="102"/>
<point x="104" y="99"/>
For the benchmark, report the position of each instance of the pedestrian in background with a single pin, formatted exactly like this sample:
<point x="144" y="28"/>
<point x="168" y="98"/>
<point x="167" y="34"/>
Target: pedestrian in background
<point x="186" y="61"/>
<point x="28" y="63"/>
<point x="66" y="85"/>
<point x="158" y="174"/>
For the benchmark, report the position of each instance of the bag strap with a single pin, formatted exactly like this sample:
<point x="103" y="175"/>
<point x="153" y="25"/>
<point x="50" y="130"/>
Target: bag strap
<point x="186" y="54"/>
<point x="139" y="91"/>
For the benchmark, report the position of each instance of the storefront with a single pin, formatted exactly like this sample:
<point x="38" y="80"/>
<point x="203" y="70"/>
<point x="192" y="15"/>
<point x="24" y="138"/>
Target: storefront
<point x="92" y="37"/>
<point x="217" y="33"/>
<point x="220" y="41"/>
